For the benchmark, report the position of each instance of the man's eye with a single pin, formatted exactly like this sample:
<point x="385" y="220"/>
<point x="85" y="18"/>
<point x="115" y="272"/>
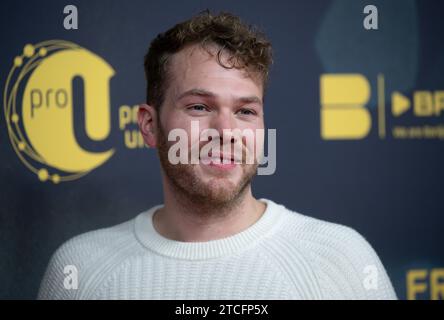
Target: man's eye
<point x="197" y="107"/>
<point x="246" y="112"/>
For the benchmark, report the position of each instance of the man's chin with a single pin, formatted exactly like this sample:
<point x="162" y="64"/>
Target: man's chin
<point x="208" y="187"/>
<point x="218" y="183"/>
<point x="217" y="190"/>
<point x="206" y="173"/>
<point x="221" y="194"/>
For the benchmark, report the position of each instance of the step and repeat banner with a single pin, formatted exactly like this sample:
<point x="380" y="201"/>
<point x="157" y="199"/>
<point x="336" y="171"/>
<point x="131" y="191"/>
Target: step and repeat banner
<point x="356" y="96"/>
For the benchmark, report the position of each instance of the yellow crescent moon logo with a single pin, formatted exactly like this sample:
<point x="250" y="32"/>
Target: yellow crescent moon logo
<point x="43" y="133"/>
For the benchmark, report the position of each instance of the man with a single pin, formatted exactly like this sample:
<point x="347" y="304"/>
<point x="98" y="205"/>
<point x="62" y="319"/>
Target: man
<point x="212" y="239"/>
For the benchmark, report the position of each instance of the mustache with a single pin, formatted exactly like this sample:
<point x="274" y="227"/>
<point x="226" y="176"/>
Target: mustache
<point x="236" y="148"/>
<point x="232" y="151"/>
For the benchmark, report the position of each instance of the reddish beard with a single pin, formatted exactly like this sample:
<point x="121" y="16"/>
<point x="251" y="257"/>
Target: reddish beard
<point x="217" y="192"/>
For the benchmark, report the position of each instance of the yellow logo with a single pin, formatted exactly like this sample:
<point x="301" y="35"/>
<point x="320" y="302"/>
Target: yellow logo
<point x="344" y="116"/>
<point x="41" y="127"/>
<point x="343" y="112"/>
<point x="424" y="282"/>
<point x="400" y="104"/>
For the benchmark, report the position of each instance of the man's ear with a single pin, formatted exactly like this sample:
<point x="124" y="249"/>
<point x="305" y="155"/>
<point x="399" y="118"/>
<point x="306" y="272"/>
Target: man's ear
<point x="147" y="119"/>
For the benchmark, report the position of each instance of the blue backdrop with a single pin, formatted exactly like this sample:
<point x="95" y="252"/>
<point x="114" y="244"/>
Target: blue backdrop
<point x="386" y="183"/>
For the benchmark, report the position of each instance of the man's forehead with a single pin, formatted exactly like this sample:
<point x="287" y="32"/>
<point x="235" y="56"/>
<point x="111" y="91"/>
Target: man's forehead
<point x="194" y="64"/>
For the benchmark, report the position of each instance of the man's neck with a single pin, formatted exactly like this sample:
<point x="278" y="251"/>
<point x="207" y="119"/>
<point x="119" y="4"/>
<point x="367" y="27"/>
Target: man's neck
<point x="183" y="220"/>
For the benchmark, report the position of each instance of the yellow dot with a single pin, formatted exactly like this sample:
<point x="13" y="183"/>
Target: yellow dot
<point x="43" y="52"/>
<point x="55" y="178"/>
<point x="15" y="118"/>
<point x="21" y="146"/>
<point x="18" y="61"/>
<point x="43" y="174"/>
<point x="28" y="50"/>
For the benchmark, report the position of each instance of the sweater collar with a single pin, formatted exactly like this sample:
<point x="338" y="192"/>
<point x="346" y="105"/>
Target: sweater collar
<point x="151" y="239"/>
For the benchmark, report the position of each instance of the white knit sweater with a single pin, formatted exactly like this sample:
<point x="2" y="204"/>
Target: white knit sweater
<point x="283" y="255"/>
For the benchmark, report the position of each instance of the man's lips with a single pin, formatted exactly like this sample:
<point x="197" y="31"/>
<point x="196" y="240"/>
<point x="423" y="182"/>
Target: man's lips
<point x="219" y="162"/>
<point x="220" y="159"/>
<point x="222" y="166"/>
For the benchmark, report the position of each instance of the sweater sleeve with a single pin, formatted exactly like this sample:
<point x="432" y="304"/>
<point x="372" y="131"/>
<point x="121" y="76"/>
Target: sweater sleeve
<point x="345" y="264"/>
<point x="370" y="280"/>
<point x="75" y="266"/>
<point x="60" y="280"/>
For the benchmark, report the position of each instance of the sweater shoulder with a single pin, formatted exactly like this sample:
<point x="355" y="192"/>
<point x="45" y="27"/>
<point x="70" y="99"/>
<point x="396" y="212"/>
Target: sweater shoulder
<point x="300" y="227"/>
<point x="95" y="243"/>
<point x="80" y="255"/>
<point x="333" y="235"/>
<point x="344" y="262"/>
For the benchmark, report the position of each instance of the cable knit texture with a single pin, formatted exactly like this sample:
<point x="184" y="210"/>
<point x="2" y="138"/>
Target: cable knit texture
<point x="283" y="255"/>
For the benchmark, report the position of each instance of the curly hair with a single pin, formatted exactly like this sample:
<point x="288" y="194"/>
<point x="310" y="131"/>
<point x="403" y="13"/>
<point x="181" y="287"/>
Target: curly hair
<point x="248" y="48"/>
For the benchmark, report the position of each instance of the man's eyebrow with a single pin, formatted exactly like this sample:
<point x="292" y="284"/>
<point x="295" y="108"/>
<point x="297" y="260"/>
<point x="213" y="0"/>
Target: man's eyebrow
<point x="251" y="99"/>
<point x="205" y="93"/>
<point x="196" y="92"/>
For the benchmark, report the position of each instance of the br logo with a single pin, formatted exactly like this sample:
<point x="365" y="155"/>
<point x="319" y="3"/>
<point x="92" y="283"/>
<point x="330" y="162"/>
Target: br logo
<point x="344" y="115"/>
<point x="38" y="105"/>
<point x="343" y="112"/>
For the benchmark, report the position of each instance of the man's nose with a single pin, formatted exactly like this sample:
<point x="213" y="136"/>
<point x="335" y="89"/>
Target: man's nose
<point x="224" y="123"/>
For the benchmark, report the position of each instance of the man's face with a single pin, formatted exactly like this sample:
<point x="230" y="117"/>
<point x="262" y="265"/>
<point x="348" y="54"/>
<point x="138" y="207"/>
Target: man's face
<point x="200" y="89"/>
